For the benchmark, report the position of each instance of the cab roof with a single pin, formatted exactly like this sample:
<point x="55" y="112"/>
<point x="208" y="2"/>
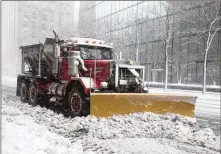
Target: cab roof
<point x="87" y="41"/>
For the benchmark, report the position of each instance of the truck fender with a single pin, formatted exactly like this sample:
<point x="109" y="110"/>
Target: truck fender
<point x="83" y="81"/>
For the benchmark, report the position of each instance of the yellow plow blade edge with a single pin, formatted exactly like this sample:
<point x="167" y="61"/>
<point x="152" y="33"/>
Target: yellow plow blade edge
<point x="108" y="104"/>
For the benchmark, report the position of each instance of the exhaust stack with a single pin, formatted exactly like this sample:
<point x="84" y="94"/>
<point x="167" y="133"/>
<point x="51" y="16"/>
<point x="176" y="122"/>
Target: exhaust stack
<point x="73" y="61"/>
<point x="56" y="55"/>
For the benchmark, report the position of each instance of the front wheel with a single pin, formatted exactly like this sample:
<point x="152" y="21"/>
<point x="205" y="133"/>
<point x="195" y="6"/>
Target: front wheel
<point x="76" y="103"/>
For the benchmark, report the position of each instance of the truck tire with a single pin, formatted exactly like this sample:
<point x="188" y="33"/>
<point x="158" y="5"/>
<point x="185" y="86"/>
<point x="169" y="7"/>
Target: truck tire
<point x="24" y="92"/>
<point x="76" y="102"/>
<point x="33" y="94"/>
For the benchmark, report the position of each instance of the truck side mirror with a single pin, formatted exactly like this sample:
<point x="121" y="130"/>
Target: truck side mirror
<point x="115" y="55"/>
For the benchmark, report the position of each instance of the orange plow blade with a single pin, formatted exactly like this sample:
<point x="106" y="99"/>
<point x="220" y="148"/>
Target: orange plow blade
<point x="108" y="104"/>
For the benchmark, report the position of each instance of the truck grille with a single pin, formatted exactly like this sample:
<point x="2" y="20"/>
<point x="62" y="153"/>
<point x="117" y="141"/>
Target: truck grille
<point x="125" y="74"/>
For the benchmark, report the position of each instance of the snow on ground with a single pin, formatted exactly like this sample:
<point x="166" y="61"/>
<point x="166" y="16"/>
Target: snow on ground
<point x="21" y="134"/>
<point x="28" y="129"/>
<point x="134" y="145"/>
<point x="45" y="130"/>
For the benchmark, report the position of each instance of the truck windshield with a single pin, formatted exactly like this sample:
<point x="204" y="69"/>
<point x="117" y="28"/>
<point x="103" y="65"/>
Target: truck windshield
<point x="90" y="52"/>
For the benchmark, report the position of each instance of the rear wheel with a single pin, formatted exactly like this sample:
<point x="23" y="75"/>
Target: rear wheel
<point x="76" y="102"/>
<point x="33" y="97"/>
<point x="24" y="92"/>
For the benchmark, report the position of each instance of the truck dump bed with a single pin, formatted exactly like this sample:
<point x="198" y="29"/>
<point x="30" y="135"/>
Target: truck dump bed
<point x="30" y="56"/>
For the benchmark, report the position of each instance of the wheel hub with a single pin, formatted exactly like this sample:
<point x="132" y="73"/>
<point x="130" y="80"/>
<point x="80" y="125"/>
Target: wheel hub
<point x="75" y="103"/>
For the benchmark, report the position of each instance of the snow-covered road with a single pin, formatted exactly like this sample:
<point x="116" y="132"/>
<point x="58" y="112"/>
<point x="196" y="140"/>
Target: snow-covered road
<point x="28" y="129"/>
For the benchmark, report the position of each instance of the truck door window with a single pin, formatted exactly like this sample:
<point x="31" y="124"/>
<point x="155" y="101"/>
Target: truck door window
<point x="84" y="54"/>
<point x="106" y="55"/>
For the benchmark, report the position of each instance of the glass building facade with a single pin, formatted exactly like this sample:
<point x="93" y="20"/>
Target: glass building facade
<point x="137" y="25"/>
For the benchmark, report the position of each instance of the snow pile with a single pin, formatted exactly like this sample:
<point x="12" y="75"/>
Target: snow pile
<point x="20" y="134"/>
<point x="130" y="146"/>
<point x="173" y="127"/>
<point x="184" y="132"/>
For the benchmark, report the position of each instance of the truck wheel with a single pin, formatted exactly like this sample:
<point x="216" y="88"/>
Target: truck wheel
<point x="33" y="94"/>
<point x="23" y="92"/>
<point x="76" y="103"/>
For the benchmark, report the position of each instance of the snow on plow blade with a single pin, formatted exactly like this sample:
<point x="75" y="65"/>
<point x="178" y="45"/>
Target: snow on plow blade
<point x="108" y="104"/>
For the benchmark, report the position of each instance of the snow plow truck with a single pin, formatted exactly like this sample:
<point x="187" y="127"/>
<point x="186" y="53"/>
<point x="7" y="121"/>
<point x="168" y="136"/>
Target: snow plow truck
<point x="82" y="75"/>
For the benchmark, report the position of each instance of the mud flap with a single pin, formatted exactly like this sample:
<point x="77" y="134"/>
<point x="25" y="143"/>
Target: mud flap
<point x="108" y="104"/>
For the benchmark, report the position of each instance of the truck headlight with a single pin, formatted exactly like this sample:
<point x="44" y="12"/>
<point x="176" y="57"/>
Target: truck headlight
<point x="131" y="62"/>
<point x="104" y="85"/>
